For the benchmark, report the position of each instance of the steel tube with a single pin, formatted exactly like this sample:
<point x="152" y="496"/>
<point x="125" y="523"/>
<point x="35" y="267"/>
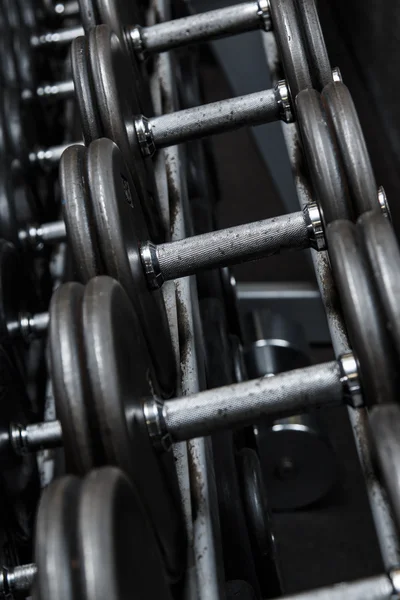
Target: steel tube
<point x="216" y="117"/>
<point x="232" y="246"/>
<point x="373" y="588"/>
<point x="52" y="232"/>
<point x="51" y="156"/>
<point x="18" y="580"/>
<point x="244" y="403"/>
<point x="61" y="90"/>
<point x="59" y="38"/>
<point x="42" y="435"/>
<point x="201" y="27"/>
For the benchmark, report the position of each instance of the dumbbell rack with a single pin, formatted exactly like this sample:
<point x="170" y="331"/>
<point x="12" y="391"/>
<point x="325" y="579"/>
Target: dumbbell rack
<point x="193" y="458"/>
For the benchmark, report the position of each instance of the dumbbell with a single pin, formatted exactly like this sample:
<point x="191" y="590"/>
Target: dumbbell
<point x="98" y="523"/>
<point x="203" y="27"/>
<point x="298" y="463"/>
<point x="107" y="235"/>
<point x="103" y="378"/>
<point x="236" y="405"/>
<point x="94" y="402"/>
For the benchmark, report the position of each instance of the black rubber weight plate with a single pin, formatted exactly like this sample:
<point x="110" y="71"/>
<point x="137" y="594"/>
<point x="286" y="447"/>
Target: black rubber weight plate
<point x="113" y="525"/>
<point x="384" y="257"/>
<point x="340" y="107"/>
<point x="120" y="374"/>
<point x="56" y="548"/>
<point x="89" y="13"/>
<point x="83" y="85"/>
<point x="20" y="483"/>
<point x="364" y="322"/>
<point x="120" y="230"/>
<point x="290" y="43"/>
<point x="76" y="208"/>
<point x="8" y="217"/>
<point x="320" y="67"/>
<point x="120" y="15"/>
<point x="323" y="158"/>
<point x="117" y="97"/>
<point x="385" y="427"/>
<point x="69" y="377"/>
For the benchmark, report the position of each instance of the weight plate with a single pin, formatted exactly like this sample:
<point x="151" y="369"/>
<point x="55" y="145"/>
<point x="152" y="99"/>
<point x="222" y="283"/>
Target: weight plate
<point x="78" y="215"/>
<point x="83" y="87"/>
<point x="8" y="216"/>
<point x="19" y="480"/>
<point x="70" y="384"/>
<point x="255" y="496"/>
<point x="119" y="15"/>
<point x="118" y="550"/>
<point x="13" y="293"/>
<point x="385" y="427"/>
<point x="21" y="137"/>
<point x="25" y="62"/>
<point x="290" y="43"/>
<point x="117" y="100"/>
<point x="320" y="67"/>
<point x="340" y="107"/>
<point x="13" y="16"/>
<point x="120" y="231"/>
<point x="323" y="157"/>
<point x="121" y="374"/>
<point x="27" y="12"/>
<point x="56" y="545"/>
<point x="362" y="316"/>
<point x="8" y="66"/>
<point x="299" y="465"/>
<point x="89" y="13"/>
<point x="384" y="258"/>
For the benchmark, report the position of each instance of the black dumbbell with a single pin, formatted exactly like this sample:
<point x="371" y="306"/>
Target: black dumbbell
<point x="86" y="522"/>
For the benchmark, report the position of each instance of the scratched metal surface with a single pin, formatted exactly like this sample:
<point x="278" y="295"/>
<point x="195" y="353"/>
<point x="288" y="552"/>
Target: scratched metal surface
<point x="381" y="512"/>
<point x="193" y="459"/>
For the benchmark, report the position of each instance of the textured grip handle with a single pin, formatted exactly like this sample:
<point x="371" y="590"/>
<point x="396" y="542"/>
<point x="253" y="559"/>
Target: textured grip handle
<point x="232" y="246"/>
<point x="241" y="404"/>
<point x="216" y="117"/>
<point x="210" y="25"/>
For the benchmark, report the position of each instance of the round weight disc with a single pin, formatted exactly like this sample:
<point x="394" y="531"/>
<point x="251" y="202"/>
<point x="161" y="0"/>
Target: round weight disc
<point x="89" y="14"/>
<point x="323" y="157"/>
<point x="120" y="230"/>
<point x="340" y="107"/>
<point x="19" y="476"/>
<point x="298" y="464"/>
<point x="56" y="545"/>
<point x="364" y="322"/>
<point x="255" y="499"/>
<point x="17" y="136"/>
<point x="320" y="67"/>
<point x="290" y="43"/>
<point x="119" y="15"/>
<point x="26" y="66"/>
<point x="70" y="383"/>
<point x="8" y="217"/>
<point x="385" y="427"/>
<point x="77" y="214"/>
<point x="121" y="373"/>
<point x="119" y="553"/>
<point x="83" y="87"/>
<point x="13" y="290"/>
<point x="8" y="67"/>
<point x="384" y="257"/>
<point x="117" y="99"/>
